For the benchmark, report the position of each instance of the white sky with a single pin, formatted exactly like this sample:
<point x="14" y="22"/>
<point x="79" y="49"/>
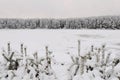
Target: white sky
<point x="58" y="8"/>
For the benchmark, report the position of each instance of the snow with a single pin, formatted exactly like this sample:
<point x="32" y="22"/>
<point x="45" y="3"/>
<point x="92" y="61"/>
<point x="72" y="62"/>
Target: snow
<point x="60" y="43"/>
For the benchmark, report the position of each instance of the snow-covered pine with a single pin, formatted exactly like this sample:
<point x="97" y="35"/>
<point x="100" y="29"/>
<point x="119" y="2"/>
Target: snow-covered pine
<point x="34" y="67"/>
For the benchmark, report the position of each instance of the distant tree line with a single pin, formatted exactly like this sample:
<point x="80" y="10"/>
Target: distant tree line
<point x="105" y="22"/>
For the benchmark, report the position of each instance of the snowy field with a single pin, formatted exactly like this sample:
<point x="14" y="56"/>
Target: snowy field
<point x="60" y="43"/>
<point x="59" y="40"/>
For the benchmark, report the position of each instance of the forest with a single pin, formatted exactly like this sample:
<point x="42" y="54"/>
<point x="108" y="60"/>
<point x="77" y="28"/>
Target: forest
<point x="101" y="22"/>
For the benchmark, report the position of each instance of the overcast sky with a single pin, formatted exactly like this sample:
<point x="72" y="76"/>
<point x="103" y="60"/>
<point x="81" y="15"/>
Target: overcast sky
<point x="58" y="8"/>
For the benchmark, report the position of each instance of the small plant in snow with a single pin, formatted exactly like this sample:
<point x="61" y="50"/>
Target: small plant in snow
<point x="23" y="67"/>
<point x="98" y="65"/>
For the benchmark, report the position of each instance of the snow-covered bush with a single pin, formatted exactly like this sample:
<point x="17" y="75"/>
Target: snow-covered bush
<point x="20" y="66"/>
<point x="97" y="65"/>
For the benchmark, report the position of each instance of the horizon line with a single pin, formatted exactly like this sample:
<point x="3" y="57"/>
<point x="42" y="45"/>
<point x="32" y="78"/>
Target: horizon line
<point x="58" y="17"/>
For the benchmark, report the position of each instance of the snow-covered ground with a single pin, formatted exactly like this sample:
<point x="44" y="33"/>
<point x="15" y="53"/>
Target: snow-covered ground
<point x="60" y="42"/>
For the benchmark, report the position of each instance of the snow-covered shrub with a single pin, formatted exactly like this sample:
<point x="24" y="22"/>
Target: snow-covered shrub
<point x="96" y="65"/>
<point x="21" y="66"/>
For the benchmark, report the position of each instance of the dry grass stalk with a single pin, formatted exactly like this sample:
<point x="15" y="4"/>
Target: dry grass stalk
<point x="79" y="48"/>
<point x="22" y="48"/>
<point x="9" y="49"/>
